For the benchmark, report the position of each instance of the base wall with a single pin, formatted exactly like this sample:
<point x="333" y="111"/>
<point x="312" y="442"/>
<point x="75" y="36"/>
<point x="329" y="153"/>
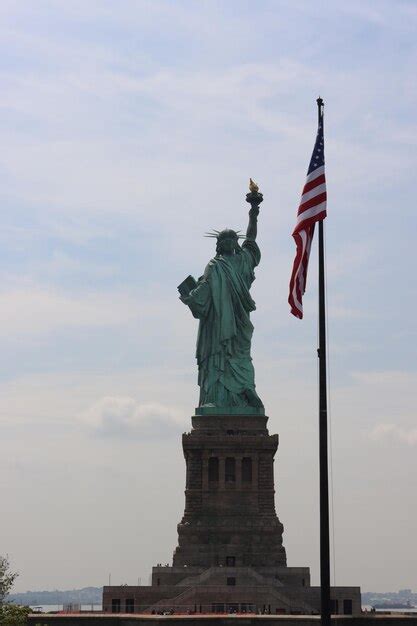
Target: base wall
<point x="131" y="620"/>
<point x="211" y="598"/>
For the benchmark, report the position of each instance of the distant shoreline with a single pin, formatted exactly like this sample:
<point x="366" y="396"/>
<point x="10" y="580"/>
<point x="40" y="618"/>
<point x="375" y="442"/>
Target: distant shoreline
<point x="86" y="595"/>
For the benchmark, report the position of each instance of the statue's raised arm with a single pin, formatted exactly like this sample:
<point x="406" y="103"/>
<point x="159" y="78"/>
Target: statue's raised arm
<point x="254" y="198"/>
<point x="220" y="299"/>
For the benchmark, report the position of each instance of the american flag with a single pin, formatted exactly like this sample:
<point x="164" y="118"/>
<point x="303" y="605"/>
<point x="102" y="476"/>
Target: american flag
<point x="312" y="209"/>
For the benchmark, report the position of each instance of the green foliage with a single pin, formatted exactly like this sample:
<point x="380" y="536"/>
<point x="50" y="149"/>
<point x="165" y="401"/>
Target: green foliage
<point x="10" y="614"/>
<point x="14" y="615"/>
<point x="7" y="578"/>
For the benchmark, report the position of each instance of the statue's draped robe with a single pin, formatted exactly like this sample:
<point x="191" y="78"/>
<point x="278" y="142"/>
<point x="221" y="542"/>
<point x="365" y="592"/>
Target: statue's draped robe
<point x="222" y="303"/>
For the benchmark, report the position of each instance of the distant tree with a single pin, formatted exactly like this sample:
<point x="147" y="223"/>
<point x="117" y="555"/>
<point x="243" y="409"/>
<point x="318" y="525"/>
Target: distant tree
<point x="10" y="614"/>
<point x="7" y="578"/>
<point x="14" y="615"/>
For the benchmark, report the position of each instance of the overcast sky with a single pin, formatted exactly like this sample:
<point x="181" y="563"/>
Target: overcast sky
<point x="128" y="129"/>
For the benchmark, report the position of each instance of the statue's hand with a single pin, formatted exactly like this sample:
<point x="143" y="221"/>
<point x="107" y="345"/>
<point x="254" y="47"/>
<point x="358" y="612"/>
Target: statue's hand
<point x="185" y="299"/>
<point x="254" y="211"/>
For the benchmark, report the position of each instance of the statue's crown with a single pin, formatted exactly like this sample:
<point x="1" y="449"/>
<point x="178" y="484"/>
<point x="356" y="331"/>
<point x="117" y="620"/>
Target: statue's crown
<point x="226" y="233"/>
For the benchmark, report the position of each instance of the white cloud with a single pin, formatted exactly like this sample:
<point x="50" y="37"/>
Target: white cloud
<point x="57" y="398"/>
<point x="126" y="418"/>
<point x="404" y="435"/>
<point x="41" y="311"/>
<point x="351" y="256"/>
<point x="383" y="397"/>
<point x="337" y="311"/>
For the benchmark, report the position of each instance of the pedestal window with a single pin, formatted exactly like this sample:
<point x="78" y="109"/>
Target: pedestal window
<point x="347" y="607"/>
<point x="246" y="469"/>
<point x="213" y="470"/>
<point x="115" y="605"/>
<point x="230" y="470"/>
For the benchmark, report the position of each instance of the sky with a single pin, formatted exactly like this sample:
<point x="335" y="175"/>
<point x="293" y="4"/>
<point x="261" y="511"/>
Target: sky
<point x="130" y="129"/>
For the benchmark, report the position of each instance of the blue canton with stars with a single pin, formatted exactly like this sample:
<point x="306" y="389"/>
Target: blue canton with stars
<point x="317" y="158"/>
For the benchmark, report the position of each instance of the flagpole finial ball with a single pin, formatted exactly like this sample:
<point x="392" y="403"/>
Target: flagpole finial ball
<point x="320" y="102"/>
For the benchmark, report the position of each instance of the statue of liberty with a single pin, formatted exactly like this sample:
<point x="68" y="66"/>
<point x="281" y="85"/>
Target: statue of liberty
<point x="220" y="299"/>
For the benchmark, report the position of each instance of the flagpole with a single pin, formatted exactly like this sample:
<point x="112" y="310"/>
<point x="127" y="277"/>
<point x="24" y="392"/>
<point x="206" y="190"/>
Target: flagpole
<point x="324" y="476"/>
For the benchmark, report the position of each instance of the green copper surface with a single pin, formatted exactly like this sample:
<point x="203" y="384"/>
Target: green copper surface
<point x="230" y="410"/>
<point x="221" y="301"/>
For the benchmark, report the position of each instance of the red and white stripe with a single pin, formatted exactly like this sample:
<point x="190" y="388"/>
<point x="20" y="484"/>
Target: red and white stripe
<point x="312" y="209"/>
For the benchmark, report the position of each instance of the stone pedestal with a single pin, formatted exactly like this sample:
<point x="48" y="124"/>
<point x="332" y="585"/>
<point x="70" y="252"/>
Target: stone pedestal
<point x="230" y="556"/>
<point x="229" y="516"/>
